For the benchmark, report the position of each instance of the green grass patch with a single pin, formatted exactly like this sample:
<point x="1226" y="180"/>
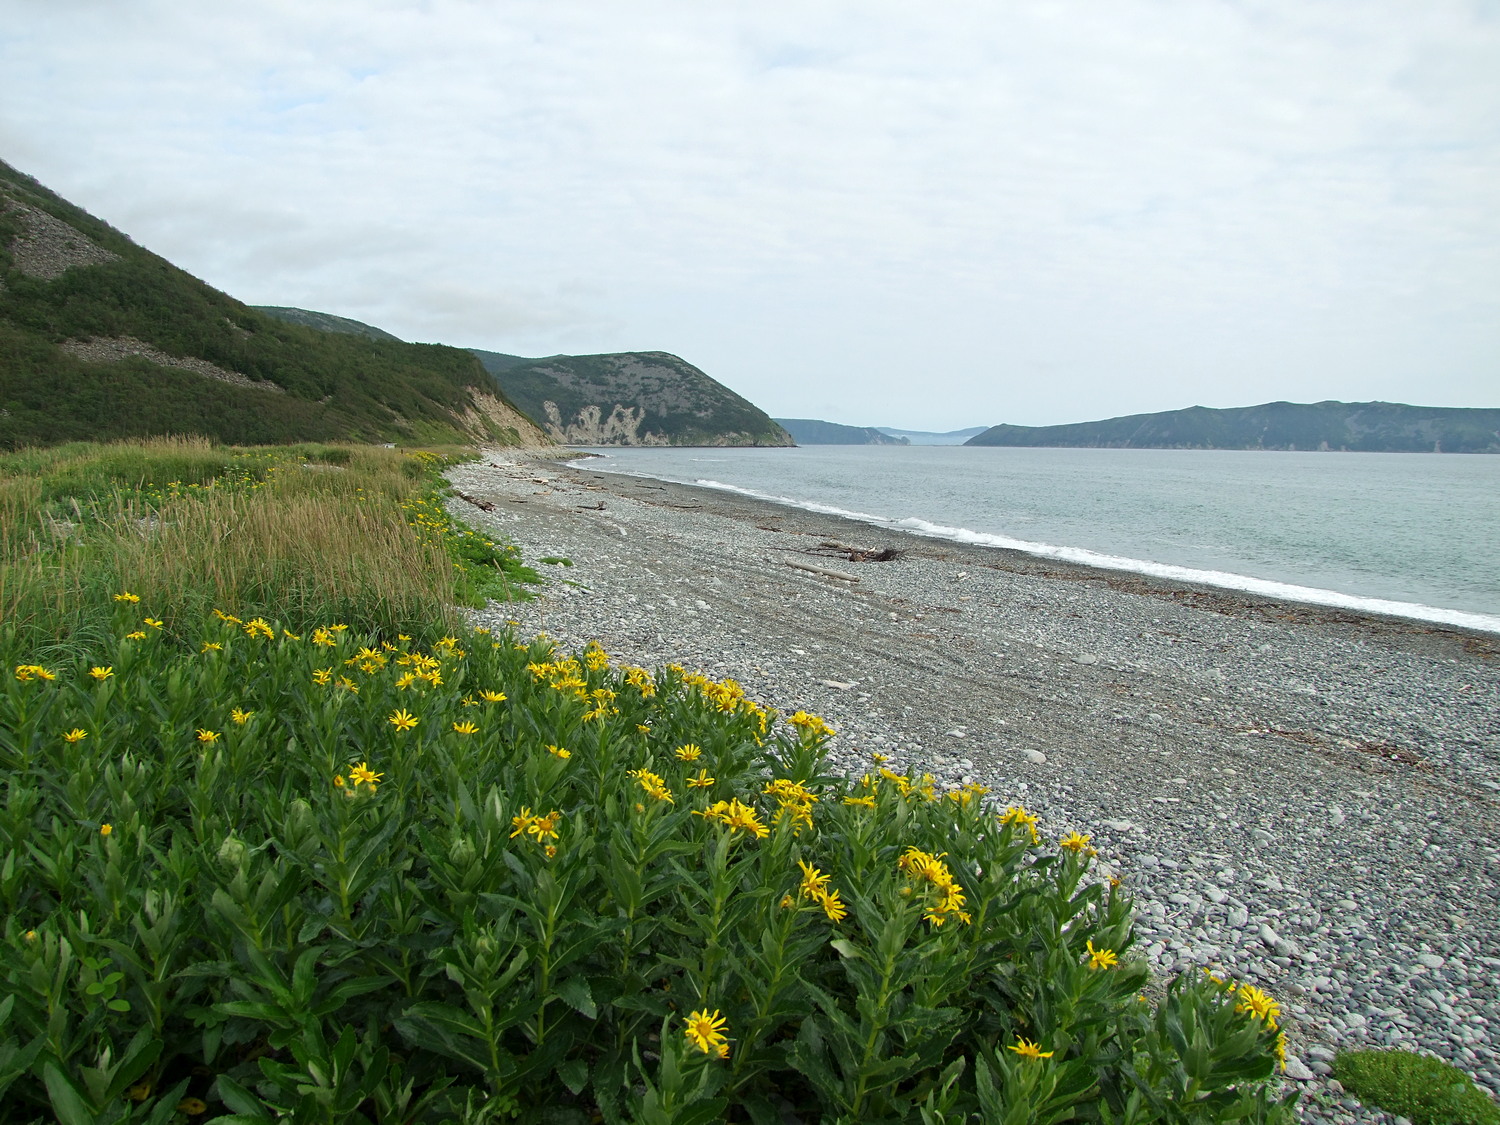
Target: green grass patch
<point x="1425" y="1089"/>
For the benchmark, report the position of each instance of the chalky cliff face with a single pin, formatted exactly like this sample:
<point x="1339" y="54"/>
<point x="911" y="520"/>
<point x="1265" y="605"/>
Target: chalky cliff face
<point x="632" y="398"/>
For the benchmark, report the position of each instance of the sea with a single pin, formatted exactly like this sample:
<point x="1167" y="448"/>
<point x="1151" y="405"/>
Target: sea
<point x="1414" y="535"/>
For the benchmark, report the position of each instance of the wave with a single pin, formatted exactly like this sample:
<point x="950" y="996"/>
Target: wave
<point x="1224" y="580"/>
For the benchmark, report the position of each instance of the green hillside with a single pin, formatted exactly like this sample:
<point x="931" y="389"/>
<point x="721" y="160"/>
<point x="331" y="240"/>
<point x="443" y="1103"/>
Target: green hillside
<point x="325" y="322"/>
<point x="811" y="431"/>
<point x="630" y="398"/>
<point x="101" y="339"/>
<point x="1366" y="427"/>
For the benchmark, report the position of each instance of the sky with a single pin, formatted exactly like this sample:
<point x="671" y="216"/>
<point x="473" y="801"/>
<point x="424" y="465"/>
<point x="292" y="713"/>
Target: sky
<point x="923" y="216"/>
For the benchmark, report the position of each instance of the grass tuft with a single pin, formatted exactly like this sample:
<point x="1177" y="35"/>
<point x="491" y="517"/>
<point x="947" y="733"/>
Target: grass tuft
<point x="1425" y="1089"/>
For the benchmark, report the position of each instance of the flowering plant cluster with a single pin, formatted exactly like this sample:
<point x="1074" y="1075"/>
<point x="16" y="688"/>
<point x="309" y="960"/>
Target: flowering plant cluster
<point x="250" y="873"/>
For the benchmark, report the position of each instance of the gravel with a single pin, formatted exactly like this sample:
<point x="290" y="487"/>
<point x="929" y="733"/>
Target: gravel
<point x="1305" y="799"/>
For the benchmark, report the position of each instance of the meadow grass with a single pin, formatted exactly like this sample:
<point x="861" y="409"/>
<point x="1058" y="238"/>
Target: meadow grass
<point x="1429" y="1091"/>
<point x="279" y="842"/>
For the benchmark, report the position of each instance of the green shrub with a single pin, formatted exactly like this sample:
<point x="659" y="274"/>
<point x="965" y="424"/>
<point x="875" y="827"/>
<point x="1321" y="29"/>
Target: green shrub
<point x="390" y="878"/>
<point x="1425" y="1089"/>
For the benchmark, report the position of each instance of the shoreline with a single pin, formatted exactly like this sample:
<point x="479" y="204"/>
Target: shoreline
<point x="1483" y="627"/>
<point x="1305" y="798"/>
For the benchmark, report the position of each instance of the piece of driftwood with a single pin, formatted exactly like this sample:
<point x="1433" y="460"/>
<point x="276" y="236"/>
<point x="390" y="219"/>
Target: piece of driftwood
<point x="482" y="505"/>
<point x="860" y="554"/>
<point x="826" y="572"/>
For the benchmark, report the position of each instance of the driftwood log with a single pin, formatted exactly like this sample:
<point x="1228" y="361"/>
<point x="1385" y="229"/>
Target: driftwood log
<point x="826" y="572"/>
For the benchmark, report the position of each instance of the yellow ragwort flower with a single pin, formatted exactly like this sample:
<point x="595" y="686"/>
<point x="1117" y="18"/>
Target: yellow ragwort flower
<point x="207" y="735"/>
<point x="211" y="646"/>
<point x="813" y="880"/>
<point x="1258" y="1004"/>
<point x="465" y="727"/>
<point x="138" y="635"/>
<point x="832" y="905"/>
<point x="127" y="596"/>
<point x="102" y="673"/>
<point x="705" y="1031"/>
<point x="1101" y="958"/>
<point x="1029" y="1050"/>
<point x="1019" y="816"/>
<point x="702" y="780"/>
<point x="559" y="752"/>
<point x="362" y="774"/>
<point x="1077" y="842"/>
<point x="239" y="717"/>
<point x="323" y="675"/>
<point x="77" y="734"/>
<point x="861" y="802"/>
<point x="106" y="829"/>
<point x="492" y="696"/>
<point x="402" y="720"/>
<point x="688" y="753"/>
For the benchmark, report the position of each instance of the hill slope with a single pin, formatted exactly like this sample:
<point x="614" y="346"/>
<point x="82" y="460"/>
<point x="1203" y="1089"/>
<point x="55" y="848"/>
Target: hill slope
<point x="630" y="398"/>
<point x="930" y="437"/>
<point x="810" y="431"/>
<point x="1367" y="427"/>
<point x="325" y="322"/>
<point x="101" y="339"/>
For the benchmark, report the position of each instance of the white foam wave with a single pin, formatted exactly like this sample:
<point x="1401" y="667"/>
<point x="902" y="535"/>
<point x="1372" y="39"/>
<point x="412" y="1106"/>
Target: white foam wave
<point x="1225" y="580"/>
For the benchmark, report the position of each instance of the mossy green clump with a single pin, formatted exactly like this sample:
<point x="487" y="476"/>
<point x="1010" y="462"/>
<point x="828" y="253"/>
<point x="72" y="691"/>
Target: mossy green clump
<point x="1425" y="1089"/>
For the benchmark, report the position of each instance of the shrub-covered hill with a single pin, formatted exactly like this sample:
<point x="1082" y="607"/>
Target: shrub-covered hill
<point x="101" y="339"/>
<point x="811" y="431"/>
<point x="325" y="322"/>
<point x="1365" y="427"/>
<point x="630" y="398"/>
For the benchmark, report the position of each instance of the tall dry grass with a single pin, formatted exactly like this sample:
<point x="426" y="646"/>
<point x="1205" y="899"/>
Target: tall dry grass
<point x="315" y="542"/>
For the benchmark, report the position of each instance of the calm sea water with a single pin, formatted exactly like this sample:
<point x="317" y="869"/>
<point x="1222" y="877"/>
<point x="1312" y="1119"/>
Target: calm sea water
<point x="1416" y="535"/>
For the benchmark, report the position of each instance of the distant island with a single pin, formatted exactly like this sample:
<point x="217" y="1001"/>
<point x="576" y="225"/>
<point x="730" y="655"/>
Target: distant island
<point x="1355" y="427"/>
<point x="929" y="437"/>
<point x="810" y="431"/>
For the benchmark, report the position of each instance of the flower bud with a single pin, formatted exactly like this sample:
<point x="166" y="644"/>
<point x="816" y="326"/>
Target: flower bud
<point x="461" y="852"/>
<point x="232" y="852"/>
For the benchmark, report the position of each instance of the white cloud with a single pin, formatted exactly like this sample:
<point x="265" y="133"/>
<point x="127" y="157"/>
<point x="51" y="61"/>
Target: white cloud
<point x="1031" y="212"/>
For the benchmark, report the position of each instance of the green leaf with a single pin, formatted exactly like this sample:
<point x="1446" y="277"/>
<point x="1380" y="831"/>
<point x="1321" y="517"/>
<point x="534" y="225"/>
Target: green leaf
<point x="574" y="1074"/>
<point x="67" y="1099"/>
<point x="575" y="992"/>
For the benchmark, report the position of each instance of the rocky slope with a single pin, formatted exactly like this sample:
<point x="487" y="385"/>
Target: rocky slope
<point x="1366" y="427"/>
<point x="101" y="339"/>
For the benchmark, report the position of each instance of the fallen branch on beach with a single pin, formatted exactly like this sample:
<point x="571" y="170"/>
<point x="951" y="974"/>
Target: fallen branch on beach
<point x="482" y="505"/>
<point x="861" y="554"/>
<point x="826" y="572"/>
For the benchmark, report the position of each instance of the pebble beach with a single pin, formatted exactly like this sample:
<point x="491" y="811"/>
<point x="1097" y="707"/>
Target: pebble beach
<point x="1300" y="798"/>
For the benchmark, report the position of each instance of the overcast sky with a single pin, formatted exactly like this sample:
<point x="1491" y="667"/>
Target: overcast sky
<point x="930" y="216"/>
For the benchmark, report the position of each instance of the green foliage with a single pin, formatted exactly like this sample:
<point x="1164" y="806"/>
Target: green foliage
<point x="366" y="878"/>
<point x="1425" y="1089"/>
<point x="338" y="386"/>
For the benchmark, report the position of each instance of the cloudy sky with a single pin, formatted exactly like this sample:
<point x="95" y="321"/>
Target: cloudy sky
<point x="879" y="213"/>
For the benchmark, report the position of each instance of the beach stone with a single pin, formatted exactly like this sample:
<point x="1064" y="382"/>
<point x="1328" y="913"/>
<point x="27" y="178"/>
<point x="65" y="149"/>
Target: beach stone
<point x="1035" y="756"/>
<point x="1430" y="961"/>
<point x="1297" y="1070"/>
<point x="1087" y="658"/>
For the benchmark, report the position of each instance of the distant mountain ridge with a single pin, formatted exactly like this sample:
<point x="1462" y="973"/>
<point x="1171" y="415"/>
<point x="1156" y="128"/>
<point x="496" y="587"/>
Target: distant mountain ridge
<point x="326" y="322"/>
<point x="630" y="398"/>
<point x="929" y="437"/>
<point x="810" y="431"/>
<point x="1364" y="427"/>
<point x="101" y="339"/>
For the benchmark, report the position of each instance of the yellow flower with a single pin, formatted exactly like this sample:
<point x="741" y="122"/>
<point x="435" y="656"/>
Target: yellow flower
<point x="211" y="646"/>
<point x="862" y="802"/>
<point x="259" y="627"/>
<point x="813" y="880"/>
<point x="1029" y="1050"/>
<point x="240" y="718"/>
<point x="1076" y="841"/>
<point x="833" y="906"/>
<point x="688" y="753"/>
<point x="1258" y="1004"/>
<point x="207" y="735"/>
<point x="810" y="723"/>
<point x="362" y="774"/>
<point x="406" y="680"/>
<point x="652" y="784"/>
<point x="550" y="850"/>
<point x="402" y="720"/>
<point x="138" y="635"/>
<point x="101" y="673"/>
<point x="465" y="727"/>
<point x="322" y="637"/>
<point x="559" y="752"/>
<point x="1101" y="958"/>
<point x="154" y="622"/>
<point x="106" y="829"/>
<point x="127" y="596"/>
<point x="701" y="781"/>
<point x="492" y="696"/>
<point x="339" y="781"/>
<point x="1019" y="816"/>
<point x="705" y="1031"/>
<point x="77" y="734"/>
<point x="323" y="676"/>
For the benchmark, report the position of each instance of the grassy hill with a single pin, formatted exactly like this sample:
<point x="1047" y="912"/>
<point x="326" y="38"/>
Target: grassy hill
<point x="810" y="431"/>
<point x="325" y="322"/>
<point x="630" y="398"/>
<point x="101" y="339"/>
<point x="1366" y="427"/>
